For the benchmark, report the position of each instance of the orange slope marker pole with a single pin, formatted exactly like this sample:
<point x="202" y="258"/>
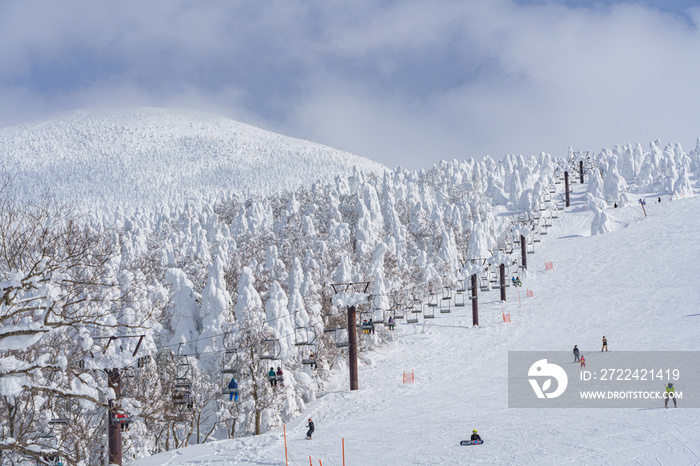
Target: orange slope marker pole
<point x="343" y="452"/>
<point x="286" y="462"/>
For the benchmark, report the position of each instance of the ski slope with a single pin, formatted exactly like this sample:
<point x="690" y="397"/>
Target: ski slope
<point x="634" y="285"/>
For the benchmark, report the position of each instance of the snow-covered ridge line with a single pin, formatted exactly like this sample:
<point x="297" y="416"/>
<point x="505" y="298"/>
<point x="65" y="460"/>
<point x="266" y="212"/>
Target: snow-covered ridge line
<point x="148" y="157"/>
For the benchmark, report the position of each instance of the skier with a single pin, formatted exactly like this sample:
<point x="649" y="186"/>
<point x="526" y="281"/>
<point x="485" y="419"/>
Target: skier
<point x="280" y="377"/>
<point x="311" y="429"/>
<point x="670" y="393"/>
<point x="313" y="364"/>
<point x="605" y="344"/>
<point x="583" y="361"/>
<point x="272" y="377"/>
<point x="475" y="436"/>
<point x="576" y="357"/>
<point x="370" y="324"/>
<point x="391" y="324"/>
<point x="233" y="389"/>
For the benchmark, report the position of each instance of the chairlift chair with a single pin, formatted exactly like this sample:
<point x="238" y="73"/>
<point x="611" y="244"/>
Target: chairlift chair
<point x="428" y="312"/>
<point x="484" y="281"/>
<point x="271" y="349"/>
<point x="61" y="409"/>
<point x="379" y="316"/>
<point x="432" y="299"/>
<point x="530" y="245"/>
<point x="536" y="235"/>
<point x="229" y="370"/>
<point x="309" y="359"/>
<point x="341" y="338"/>
<point x="412" y="318"/>
<point x="301" y="336"/>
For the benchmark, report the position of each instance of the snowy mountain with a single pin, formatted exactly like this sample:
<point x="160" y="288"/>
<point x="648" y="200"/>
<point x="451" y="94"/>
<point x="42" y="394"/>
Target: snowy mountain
<point x="632" y="284"/>
<point x="144" y="157"/>
<point x="176" y="300"/>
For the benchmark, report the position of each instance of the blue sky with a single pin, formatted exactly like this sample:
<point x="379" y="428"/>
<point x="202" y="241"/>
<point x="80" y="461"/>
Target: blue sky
<point x="401" y="82"/>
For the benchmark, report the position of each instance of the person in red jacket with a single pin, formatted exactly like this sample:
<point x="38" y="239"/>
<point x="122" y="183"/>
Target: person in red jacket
<point x="583" y="361"/>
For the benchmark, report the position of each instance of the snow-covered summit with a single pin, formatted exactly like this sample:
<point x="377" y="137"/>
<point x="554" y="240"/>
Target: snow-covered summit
<point x="149" y="156"/>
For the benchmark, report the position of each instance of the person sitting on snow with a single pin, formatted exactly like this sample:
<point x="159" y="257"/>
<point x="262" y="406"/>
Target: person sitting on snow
<point x="475" y="436"/>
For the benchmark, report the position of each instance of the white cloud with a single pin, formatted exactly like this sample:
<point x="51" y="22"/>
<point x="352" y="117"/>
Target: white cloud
<point x="404" y="83"/>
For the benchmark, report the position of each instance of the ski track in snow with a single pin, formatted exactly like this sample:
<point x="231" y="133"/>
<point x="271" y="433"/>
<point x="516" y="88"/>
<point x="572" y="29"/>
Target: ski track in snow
<point x="633" y="285"/>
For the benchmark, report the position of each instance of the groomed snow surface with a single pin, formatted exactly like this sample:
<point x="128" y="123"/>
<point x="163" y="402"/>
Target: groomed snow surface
<point x="634" y="285"/>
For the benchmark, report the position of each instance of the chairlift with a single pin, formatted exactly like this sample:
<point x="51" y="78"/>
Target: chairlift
<point x="446" y="300"/>
<point x="428" y="312"/>
<point x="341" y="337"/>
<point x="271" y="349"/>
<point x="379" y="316"/>
<point x="432" y="299"/>
<point x="412" y="318"/>
<point x="367" y="326"/>
<point x="530" y="245"/>
<point x="230" y="365"/>
<point x="119" y="416"/>
<point x="182" y="384"/>
<point x="61" y="408"/>
<point x="484" y="281"/>
<point x="378" y="301"/>
<point x="303" y="336"/>
<point x="459" y="299"/>
<point x="548" y="221"/>
<point x="536" y="235"/>
<point x="309" y="359"/>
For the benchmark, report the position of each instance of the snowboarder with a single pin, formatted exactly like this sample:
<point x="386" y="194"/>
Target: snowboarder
<point x="391" y="324"/>
<point x="312" y="359"/>
<point x="272" y="377"/>
<point x="517" y="282"/>
<point x="475" y="436"/>
<point x="583" y="361"/>
<point x="311" y="429"/>
<point x="670" y="393"/>
<point x="605" y="344"/>
<point x="576" y="356"/>
<point x="280" y="377"/>
<point x="233" y="389"/>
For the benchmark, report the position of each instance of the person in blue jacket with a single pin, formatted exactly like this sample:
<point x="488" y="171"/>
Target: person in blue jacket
<point x="233" y="389"/>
